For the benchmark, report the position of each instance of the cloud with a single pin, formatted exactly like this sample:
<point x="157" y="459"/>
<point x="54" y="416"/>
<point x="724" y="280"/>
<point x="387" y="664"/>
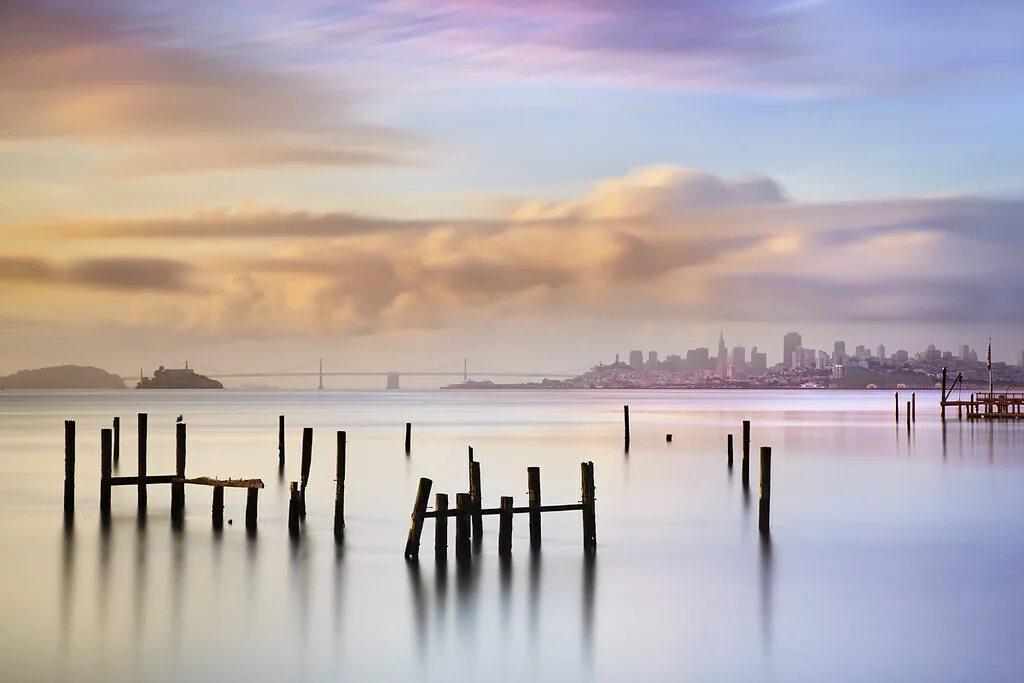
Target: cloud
<point x="116" y="80"/>
<point x="126" y="274"/>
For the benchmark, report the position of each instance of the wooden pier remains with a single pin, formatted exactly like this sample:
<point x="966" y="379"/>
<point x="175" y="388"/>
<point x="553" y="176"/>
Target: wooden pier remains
<point x="991" y="405"/>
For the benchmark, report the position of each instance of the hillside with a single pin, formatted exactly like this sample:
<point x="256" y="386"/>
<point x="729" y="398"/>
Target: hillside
<point x="62" y="377"/>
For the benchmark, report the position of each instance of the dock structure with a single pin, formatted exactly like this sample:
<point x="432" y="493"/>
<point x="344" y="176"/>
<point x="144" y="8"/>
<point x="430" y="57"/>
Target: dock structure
<point x="991" y="405"/>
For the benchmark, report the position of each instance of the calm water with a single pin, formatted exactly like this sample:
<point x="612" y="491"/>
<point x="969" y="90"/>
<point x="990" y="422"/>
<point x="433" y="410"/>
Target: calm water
<point x="894" y="556"/>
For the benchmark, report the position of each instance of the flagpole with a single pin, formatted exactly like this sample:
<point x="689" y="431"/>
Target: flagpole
<point x="990" y="391"/>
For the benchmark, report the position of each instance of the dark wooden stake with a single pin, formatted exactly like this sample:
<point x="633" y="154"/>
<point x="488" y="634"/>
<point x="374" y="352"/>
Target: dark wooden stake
<point x="280" y="441"/>
<point x="441" y="527"/>
<point x="408" y="438"/>
<point x="251" y="502"/>
<point x="505" y="527"/>
<point x="896" y="398"/>
<point x="745" y="463"/>
<point x="764" y="506"/>
<point x="178" y="489"/>
<point x="908" y="415"/>
<point x="475" y="498"/>
<point x="463" y="508"/>
<point x="533" y="489"/>
<point x="625" y="418"/>
<point x="339" y="489"/>
<point x="913" y="406"/>
<point x="419" y="509"/>
<point x="728" y="450"/>
<point x="218" y="507"/>
<point x="668" y="438"/>
<point x="106" y="465"/>
<point x="117" y="439"/>
<point x="587" y="498"/>
<point x="307" y="461"/>
<point x="69" y="470"/>
<point x="143" y="436"/>
<point x="294" y="509"/>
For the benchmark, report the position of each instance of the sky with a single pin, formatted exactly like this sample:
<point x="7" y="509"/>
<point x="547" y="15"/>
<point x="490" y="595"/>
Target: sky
<point x="533" y="184"/>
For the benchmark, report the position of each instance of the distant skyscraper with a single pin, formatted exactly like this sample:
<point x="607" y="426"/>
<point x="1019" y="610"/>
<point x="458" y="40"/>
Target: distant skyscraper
<point x="739" y="357"/>
<point x="1020" y="359"/>
<point x="821" y="361"/>
<point x="652" y="357"/>
<point x="636" y="359"/>
<point x="758" y="361"/>
<point x="860" y="352"/>
<point x="839" y="352"/>
<point x="722" y="362"/>
<point x="722" y="351"/>
<point x="697" y="359"/>
<point x="809" y="358"/>
<point x="901" y="356"/>
<point x="790" y="343"/>
<point x="965" y="352"/>
<point x="880" y="352"/>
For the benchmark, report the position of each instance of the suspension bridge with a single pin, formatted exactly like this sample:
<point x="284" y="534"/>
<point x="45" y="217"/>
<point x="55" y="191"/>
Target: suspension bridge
<point x="316" y="369"/>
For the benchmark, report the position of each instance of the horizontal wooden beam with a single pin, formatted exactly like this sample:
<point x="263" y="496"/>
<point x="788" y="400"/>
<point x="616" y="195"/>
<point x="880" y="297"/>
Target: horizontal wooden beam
<point x="151" y="479"/>
<point x="515" y="510"/>
<point x="227" y="483"/>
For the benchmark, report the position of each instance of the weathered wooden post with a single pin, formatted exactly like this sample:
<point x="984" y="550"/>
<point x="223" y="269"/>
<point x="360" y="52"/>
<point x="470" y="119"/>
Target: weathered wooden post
<point x="908" y="415"/>
<point x="625" y="418"/>
<point x="441" y="527"/>
<point x="307" y="461"/>
<point x="117" y="439"/>
<point x="106" y="460"/>
<point x="942" y="399"/>
<point x="178" y="488"/>
<point x="745" y="464"/>
<point x="69" y="470"/>
<point x="533" y="490"/>
<point x="143" y="436"/>
<point x="218" y="507"/>
<point x="668" y="438"/>
<point x="463" y="508"/>
<point x="896" y="397"/>
<point x="765" y="500"/>
<point x="419" y="509"/>
<point x="728" y="450"/>
<point x="475" y="499"/>
<point x="408" y="438"/>
<point x="505" y="527"/>
<point x="913" y="406"/>
<point x="339" y="489"/>
<point x="252" y="501"/>
<point x="280" y="442"/>
<point x="587" y="498"/>
<point x="294" y="511"/>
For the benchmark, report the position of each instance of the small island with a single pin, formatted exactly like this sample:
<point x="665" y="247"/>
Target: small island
<point x="62" y="377"/>
<point x="177" y="378"/>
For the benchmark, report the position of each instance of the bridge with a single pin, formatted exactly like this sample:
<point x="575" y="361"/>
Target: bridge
<point x="392" y="378"/>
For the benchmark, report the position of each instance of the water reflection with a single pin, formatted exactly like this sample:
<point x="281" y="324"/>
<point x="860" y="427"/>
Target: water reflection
<point x="766" y="588"/>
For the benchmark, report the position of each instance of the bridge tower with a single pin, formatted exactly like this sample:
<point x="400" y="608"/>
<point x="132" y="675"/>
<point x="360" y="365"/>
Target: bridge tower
<point x="393" y="381"/>
<point x="321" y="385"/>
<point x="465" y="370"/>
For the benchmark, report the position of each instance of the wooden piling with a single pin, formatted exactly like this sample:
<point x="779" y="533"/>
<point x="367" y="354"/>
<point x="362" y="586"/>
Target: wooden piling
<point x="69" y="470"/>
<point x="942" y="398"/>
<point x="294" y="509"/>
<point x="117" y="439"/>
<point x="307" y="461"/>
<point x="408" y="438"/>
<point x="143" y="436"/>
<point x="505" y="527"/>
<point x="913" y="407"/>
<point x="178" y="488"/>
<point x="463" y="510"/>
<point x="587" y="498"/>
<point x="251" y="503"/>
<point x="217" y="509"/>
<point x="441" y="527"/>
<point x="280" y="441"/>
<point x="339" y="488"/>
<point x="419" y="509"/>
<point x="908" y="415"/>
<point x="625" y="418"/>
<point x="533" y="489"/>
<point x="668" y="438"/>
<point x="475" y="499"/>
<point x="765" y="500"/>
<point x="728" y="450"/>
<point x="745" y="463"/>
<point x="106" y="465"/>
<point x="896" y="398"/>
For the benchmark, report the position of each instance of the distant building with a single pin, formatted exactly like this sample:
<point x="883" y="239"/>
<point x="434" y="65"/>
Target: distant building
<point x="652" y="357"/>
<point x="674" y="362"/>
<point x="838" y="371"/>
<point x="974" y="356"/>
<point x="616" y="359"/>
<point x="821" y="361"/>
<point x="880" y="353"/>
<point x="739" y="357"/>
<point x="1020" y="359"/>
<point x="965" y="353"/>
<point x="636" y="359"/>
<point x="901" y="356"/>
<point x="790" y="343"/>
<point x="839" y="352"/>
<point x="698" y="359"/>
<point x="809" y="358"/>
<point x="860" y="353"/>
<point x="932" y="354"/>
<point x="758" y="361"/>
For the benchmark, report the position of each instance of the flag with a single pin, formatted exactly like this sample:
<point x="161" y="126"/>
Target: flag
<point x="988" y="359"/>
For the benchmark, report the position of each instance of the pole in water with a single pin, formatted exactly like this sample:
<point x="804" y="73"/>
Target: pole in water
<point x="745" y="463"/>
<point x="307" y="461"/>
<point x="463" y="508"/>
<point x="913" y="406"/>
<point x="251" y="502"/>
<point x="178" y="489"/>
<point x="143" y="435"/>
<point x="218" y="507"/>
<point x="668" y="438"/>
<point x="587" y="497"/>
<point x="765" y="501"/>
<point x="625" y="418"/>
<point x="419" y="509"/>
<point x="293" y="509"/>
<point x="728" y="450"/>
<point x="896" y="397"/>
<point x="408" y="438"/>
<point x="280" y="441"/>
<point x="441" y="527"/>
<point x="908" y="415"/>
<point x="106" y="460"/>
<point x="69" y="470"/>
<point x="339" y="489"/>
<point x="505" y="527"/>
<point x="533" y="488"/>
<point x="117" y="439"/>
<point x="475" y="499"/>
